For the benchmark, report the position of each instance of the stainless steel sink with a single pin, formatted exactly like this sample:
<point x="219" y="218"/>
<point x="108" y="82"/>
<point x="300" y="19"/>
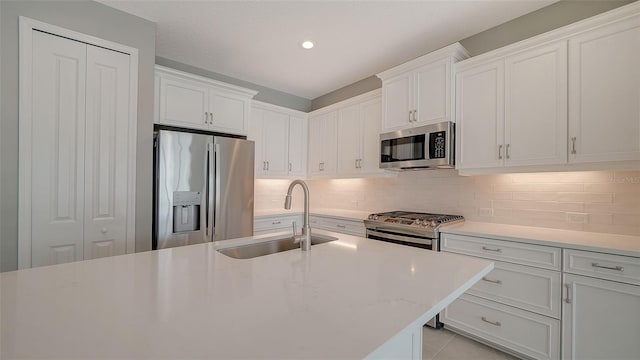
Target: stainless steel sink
<point x="271" y="247"/>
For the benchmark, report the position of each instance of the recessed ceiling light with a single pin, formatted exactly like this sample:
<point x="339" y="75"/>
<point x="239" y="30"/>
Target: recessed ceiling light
<point x="307" y="44"/>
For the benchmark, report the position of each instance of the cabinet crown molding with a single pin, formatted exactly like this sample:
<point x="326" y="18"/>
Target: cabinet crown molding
<point x="455" y="50"/>
<point x="281" y="109"/>
<point x="559" y="34"/>
<point x="348" y="102"/>
<point x="215" y="83"/>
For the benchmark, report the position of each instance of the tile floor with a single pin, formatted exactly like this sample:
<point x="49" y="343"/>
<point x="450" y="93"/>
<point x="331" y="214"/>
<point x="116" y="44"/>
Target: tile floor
<point x="443" y="344"/>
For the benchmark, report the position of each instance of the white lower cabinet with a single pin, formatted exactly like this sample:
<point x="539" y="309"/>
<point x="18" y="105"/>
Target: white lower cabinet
<point x="517" y="305"/>
<point x="277" y="223"/>
<point x="349" y="227"/>
<point x="522" y="331"/>
<point x="600" y="318"/>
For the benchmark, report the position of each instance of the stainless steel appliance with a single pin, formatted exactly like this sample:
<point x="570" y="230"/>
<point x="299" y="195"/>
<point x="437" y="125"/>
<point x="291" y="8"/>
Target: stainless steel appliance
<point x="409" y="228"/>
<point x="424" y="147"/>
<point x="203" y="187"/>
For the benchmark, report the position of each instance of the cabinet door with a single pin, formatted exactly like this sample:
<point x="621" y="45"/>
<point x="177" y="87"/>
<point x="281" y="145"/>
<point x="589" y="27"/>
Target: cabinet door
<point x="297" y="146"/>
<point x="330" y="138"/>
<point x="276" y="142"/>
<point x="349" y="139"/>
<point x="396" y="95"/>
<point x="600" y="319"/>
<point x="604" y="91"/>
<point x="107" y="153"/>
<point x="316" y="145"/>
<point x="370" y="114"/>
<point x="57" y="149"/>
<point x="229" y="112"/>
<point x="183" y="103"/>
<point x="433" y="93"/>
<point x="536" y="106"/>
<point x="480" y="116"/>
<point x="255" y="133"/>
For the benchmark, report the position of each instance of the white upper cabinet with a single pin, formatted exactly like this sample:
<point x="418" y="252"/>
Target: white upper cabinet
<point x="536" y="106"/>
<point x="511" y="111"/>
<point x="359" y="138"/>
<point x="323" y="144"/>
<point x="280" y="136"/>
<point x="604" y="93"/>
<point x="195" y="102"/>
<point x="355" y="146"/>
<point x="298" y="146"/>
<point x="419" y="92"/>
<point x="480" y="116"/>
<point x="560" y="99"/>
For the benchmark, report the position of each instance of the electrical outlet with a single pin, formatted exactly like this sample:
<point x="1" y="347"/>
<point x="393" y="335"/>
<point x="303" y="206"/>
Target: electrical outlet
<point x="577" y="218"/>
<point x="485" y="212"/>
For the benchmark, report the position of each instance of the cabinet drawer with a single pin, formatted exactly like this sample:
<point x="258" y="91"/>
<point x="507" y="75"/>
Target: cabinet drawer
<point x="620" y="268"/>
<point x="531" y="334"/>
<point x="525" y="254"/>
<point x="524" y="287"/>
<point x="280" y="223"/>
<point x="350" y="227"/>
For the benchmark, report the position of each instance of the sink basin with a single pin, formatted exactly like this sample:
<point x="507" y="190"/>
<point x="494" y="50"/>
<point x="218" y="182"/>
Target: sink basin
<point x="271" y="247"/>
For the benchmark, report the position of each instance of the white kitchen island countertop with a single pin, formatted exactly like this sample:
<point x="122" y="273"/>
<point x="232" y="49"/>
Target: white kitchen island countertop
<point x="343" y="299"/>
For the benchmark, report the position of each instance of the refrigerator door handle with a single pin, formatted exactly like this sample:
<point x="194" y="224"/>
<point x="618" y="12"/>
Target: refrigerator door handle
<point x="209" y="187"/>
<point x="216" y="201"/>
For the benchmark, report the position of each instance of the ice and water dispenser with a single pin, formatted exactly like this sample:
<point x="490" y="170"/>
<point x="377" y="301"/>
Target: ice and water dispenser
<point x="186" y="211"/>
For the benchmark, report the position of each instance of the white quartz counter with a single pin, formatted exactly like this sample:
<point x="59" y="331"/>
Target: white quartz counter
<point x="342" y="299"/>
<point x="581" y="240"/>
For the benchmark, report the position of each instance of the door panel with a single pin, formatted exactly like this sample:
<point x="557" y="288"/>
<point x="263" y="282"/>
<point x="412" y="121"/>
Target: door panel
<point x="370" y="115"/>
<point x="604" y="88"/>
<point x="349" y="139"/>
<point x="276" y="135"/>
<point x="107" y="152"/>
<point x="297" y="146"/>
<point x="397" y="102"/>
<point x="480" y="116"/>
<point x="228" y="113"/>
<point x="58" y="136"/>
<point x="536" y="106"/>
<point x="433" y="93"/>
<point x="183" y="103"/>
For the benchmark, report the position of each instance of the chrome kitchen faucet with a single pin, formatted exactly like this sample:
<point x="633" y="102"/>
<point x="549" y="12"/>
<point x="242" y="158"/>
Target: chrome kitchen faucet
<point x="305" y="244"/>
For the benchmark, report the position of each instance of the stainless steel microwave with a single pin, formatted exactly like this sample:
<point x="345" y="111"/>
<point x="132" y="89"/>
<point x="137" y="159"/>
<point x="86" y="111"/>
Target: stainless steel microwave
<point x="424" y="147"/>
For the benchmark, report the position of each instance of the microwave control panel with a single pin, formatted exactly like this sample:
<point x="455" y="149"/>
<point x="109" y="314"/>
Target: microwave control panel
<point x="437" y="145"/>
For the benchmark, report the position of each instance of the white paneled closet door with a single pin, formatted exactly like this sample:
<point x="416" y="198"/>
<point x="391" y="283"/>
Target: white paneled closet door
<point x="57" y="149"/>
<point x="106" y="144"/>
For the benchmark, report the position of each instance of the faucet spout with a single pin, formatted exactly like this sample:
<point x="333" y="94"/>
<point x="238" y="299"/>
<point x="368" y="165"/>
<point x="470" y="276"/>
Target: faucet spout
<point x="305" y="244"/>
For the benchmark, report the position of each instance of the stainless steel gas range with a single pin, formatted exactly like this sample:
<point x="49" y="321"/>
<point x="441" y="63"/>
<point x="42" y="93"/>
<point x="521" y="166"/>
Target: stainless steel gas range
<point x="408" y="227"/>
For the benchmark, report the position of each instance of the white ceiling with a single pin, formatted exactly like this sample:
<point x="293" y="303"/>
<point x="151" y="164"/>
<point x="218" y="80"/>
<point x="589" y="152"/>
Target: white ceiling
<point x="259" y="41"/>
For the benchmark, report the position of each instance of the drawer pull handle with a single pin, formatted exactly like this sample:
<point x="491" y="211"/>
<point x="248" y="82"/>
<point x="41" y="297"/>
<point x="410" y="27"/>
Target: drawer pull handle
<point x="492" y="281"/>
<point x="276" y="223"/>
<point x="616" y="268"/>
<point x="568" y="298"/>
<point x="341" y="226"/>
<point x="496" y="323"/>
<point x="490" y="249"/>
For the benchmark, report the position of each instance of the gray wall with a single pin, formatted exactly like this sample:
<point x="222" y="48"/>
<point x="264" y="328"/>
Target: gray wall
<point x="265" y="94"/>
<point x="548" y="18"/>
<point x="94" y="19"/>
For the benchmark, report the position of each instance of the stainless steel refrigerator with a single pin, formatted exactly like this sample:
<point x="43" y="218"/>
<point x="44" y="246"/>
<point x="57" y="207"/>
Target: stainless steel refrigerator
<point x="203" y="188"/>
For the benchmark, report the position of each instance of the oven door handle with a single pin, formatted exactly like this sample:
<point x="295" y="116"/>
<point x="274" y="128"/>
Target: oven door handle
<point x="424" y="241"/>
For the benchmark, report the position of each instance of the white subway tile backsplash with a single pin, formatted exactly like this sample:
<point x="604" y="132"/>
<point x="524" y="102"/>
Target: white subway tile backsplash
<point x="610" y="200"/>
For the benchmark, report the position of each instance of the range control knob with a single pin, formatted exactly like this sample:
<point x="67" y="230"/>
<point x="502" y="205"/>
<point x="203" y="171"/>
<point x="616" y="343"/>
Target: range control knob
<point x="373" y="217"/>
